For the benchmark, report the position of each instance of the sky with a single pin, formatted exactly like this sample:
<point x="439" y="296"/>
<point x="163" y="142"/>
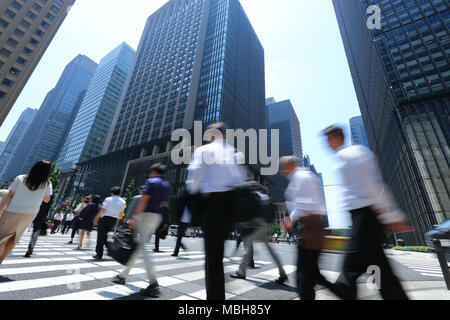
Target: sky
<point x="305" y="62"/>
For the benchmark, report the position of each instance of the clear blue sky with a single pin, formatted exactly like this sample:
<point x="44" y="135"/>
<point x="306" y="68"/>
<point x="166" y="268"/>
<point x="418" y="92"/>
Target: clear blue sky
<point x="305" y="62"/>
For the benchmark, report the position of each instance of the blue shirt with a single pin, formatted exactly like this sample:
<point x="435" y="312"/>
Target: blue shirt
<point x="158" y="190"/>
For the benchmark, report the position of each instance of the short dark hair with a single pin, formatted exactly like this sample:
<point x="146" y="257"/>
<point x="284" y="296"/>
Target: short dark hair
<point x="38" y="176"/>
<point x="159" y="168"/>
<point x="96" y="199"/>
<point x="115" y="191"/>
<point x="222" y="127"/>
<point x="332" y="130"/>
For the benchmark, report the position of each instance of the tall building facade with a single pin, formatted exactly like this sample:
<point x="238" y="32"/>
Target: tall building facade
<point x="88" y="134"/>
<point x="401" y="74"/>
<point x="14" y="138"/>
<point x="26" y="30"/>
<point x="47" y="133"/>
<point x="197" y="60"/>
<point x="358" y="131"/>
<point x="281" y="116"/>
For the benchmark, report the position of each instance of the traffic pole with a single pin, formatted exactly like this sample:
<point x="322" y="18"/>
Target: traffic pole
<point x="442" y="261"/>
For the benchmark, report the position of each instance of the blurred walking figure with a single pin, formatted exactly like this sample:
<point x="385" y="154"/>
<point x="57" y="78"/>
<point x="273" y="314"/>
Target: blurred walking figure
<point x="258" y="230"/>
<point x="162" y="231"/>
<point x="57" y="219"/>
<point x="67" y="222"/>
<point x="304" y="202"/>
<point x="145" y="221"/>
<point x="214" y="172"/>
<point x="76" y="223"/>
<point x="372" y="207"/>
<point x="39" y="226"/>
<point x="185" y="220"/>
<point x="87" y="216"/>
<point x="107" y="219"/>
<point x="21" y="205"/>
<point x="131" y="210"/>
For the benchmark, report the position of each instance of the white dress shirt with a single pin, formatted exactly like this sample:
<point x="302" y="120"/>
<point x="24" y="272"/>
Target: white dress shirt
<point x="186" y="217"/>
<point x="363" y="184"/>
<point x="114" y="206"/>
<point x="69" y="217"/>
<point x="215" y="168"/>
<point x="303" y="194"/>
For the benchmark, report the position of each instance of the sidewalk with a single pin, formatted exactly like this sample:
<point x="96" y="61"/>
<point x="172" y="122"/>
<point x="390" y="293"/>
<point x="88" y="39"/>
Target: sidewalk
<point x="392" y="252"/>
<point x="416" y="290"/>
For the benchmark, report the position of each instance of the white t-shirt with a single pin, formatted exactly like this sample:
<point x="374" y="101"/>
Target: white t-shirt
<point x="114" y="206"/>
<point x="69" y="217"/>
<point x="25" y="200"/>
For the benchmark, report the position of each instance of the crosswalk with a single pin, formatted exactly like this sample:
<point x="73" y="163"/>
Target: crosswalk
<point x="428" y="268"/>
<point x="58" y="272"/>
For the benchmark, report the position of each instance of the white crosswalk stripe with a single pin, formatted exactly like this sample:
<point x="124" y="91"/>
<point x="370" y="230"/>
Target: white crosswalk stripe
<point x="428" y="268"/>
<point x="58" y="272"/>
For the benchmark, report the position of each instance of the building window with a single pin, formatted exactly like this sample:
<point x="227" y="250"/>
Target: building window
<point x="9" y="13"/>
<point x="37" y="7"/>
<point x="21" y="61"/>
<point x="2" y="95"/>
<point x="54" y="9"/>
<point x="28" y="51"/>
<point x="3" y="23"/>
<point x="16" y="5"/>
<point x="45" y="25"/>
<point x="34" y="42"/>
<point x="14" y="71"/>
<point x="25" y="23"/>
<point x="19" y="33"/>
<point x="7" y="82"/>
<point x="31" y="15"/>
<point x="12" y="42"/>
<point x="50" y="17"/>
<point x="5" y="52"/>
<point x="39" y="33"/>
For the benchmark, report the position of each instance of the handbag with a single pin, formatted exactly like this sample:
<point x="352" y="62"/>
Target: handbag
<point x="122" y="245"/>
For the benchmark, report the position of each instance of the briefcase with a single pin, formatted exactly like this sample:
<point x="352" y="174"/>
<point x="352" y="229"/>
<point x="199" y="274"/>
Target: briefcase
<point x="122" y="246"/>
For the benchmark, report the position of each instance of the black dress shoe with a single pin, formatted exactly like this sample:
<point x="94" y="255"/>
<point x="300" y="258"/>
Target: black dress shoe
<point x="151" y="291"/>
<point x="27" y="255"/>
<point x="282" y="279"/>
<point x="96" y="257"/>
<point x="70" y="242"/>
<point x="237" y="276"/>
<point x="119" y="280"/>
<point x="155" y="250"/>
<point x="174" y="255"/>
<point x="252" y="265"/>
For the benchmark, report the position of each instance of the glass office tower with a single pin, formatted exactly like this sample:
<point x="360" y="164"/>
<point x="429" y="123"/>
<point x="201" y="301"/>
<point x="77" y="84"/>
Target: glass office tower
<point x="281" y="116"/>
<point x="26" y="30"/>
<point x="358" y="131"/>
<point x="90" y="128"/>
<point x="46" y="134"/>
<point x="197" y="60"/>
<point x="14" y="138"/>
<point x="401" y="74"/>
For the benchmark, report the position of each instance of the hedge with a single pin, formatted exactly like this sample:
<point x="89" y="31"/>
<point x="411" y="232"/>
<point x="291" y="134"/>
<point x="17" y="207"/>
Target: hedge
<point x="414" y="249"/>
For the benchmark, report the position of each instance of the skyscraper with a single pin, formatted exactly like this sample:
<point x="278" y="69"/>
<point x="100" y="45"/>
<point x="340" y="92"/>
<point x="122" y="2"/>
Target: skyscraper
<point x="14" y="138"/>
<point x="26" y="30"/>
<point x="401" y="75"/>
<point x="358" y="131"/>
<point x="88" y="134"/>
<point x="46" y="134"/>
<point x="281" y="116"/>
<point x="197" y="60"/>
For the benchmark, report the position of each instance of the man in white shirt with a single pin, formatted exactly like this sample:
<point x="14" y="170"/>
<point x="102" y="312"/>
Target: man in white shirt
<point x="214" y="172"/>
<point x="372" y="207"/>
<point x="110" y="212"/>
<point x="305" y="204"/>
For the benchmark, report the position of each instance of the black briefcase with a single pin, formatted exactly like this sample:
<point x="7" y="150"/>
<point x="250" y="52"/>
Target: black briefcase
<point x="122" y="246"/>
<point x="250" y="201"/>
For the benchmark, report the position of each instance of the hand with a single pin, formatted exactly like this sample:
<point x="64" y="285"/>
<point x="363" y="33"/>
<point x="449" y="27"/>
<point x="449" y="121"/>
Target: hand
<point x="96" y="220"/>
<point x="132" y="223"/>
<point x="287" y="224"/>
<point x="400" y="227"/>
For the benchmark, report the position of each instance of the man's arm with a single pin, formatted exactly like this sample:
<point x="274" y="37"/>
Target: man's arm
<point x="140" y="209"/>
<point x="99" y="215"/>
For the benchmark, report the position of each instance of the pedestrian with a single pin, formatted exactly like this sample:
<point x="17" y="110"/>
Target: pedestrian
<point x="68" y="222"/>
<point x="145" y="221"/>
<point x="39" y="226"/>
<point x="162" y="230"/>
<point x="76" y="223"/>
<point x="107" y="219"/>
<point x="86" y="218"/>
<point x="305" y="204"/>
<point x="214" y="172"/>
<point x="372" y="208"/>
<point x="25" y="195"/>
<point x="185" y="220"/>
<point x="258" y="229"/>
<point x="57" y="219"/>
<point x="131" y="210"/>
<point x="244" y="230"/>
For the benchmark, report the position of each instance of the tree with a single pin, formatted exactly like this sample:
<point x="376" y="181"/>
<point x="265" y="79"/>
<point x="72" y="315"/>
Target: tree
<point x="131" y="191"/>
<point x="55" y="176"/>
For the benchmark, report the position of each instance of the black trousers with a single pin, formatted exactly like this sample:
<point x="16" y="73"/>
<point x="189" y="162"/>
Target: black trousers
<point x="308" y="273"/>
<point x="105" y="225"/>
<point x="56" y="224"/>
<point x="181" y="231"/>
<point x="75" y="226"/>
<point x="66" y="227"/>
<point x="216" y="224"/>
<point x="365" y="249"/>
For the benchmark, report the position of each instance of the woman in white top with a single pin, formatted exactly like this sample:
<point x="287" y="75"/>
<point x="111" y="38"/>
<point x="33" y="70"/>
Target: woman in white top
<point x="26" y="194"/>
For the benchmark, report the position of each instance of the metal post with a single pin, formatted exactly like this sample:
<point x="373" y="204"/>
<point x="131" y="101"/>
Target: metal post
<point x="442" y="262"/>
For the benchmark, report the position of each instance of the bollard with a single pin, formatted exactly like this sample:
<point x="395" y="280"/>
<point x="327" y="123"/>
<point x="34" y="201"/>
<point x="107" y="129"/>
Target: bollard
<point x="442" y="261"/>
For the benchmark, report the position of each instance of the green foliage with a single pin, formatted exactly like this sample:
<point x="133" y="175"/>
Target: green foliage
<point x="55" y="177"/>
<point x="131" y="191"/>
<point x="413" y="249"/>
<point x="276" y="228"/>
